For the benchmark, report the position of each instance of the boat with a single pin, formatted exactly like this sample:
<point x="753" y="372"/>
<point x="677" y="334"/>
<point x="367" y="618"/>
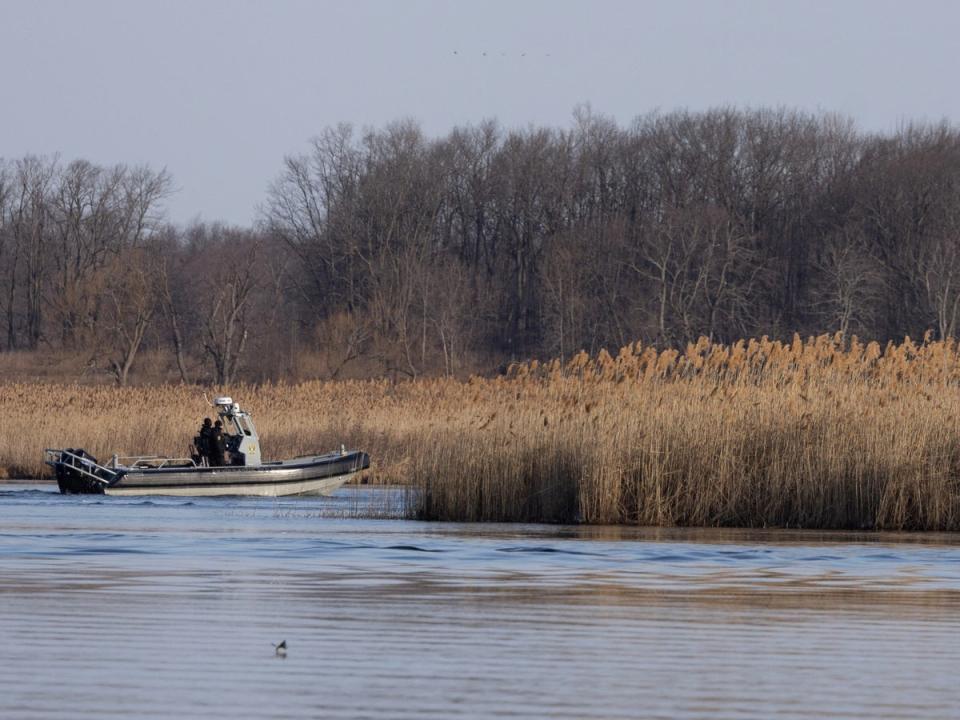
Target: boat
<point x="245" y="474"/>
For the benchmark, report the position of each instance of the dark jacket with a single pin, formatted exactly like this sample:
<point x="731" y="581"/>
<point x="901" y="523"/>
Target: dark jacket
<point x="218" y="445"/>
<point x="204" y="441"/>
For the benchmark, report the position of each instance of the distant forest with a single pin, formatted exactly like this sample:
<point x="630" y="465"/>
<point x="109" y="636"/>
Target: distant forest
<point x="389" y="252"/>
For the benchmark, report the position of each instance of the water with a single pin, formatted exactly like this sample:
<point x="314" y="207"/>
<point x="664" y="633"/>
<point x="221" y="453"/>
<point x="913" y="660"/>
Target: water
<point x="170" y="608"/>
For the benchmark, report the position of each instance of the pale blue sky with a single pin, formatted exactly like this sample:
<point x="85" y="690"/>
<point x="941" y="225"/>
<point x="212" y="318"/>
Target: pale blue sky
<point x="219" y="91"/>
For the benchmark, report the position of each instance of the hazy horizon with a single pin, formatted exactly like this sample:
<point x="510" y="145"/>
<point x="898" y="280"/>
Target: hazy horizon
<point x="219" y="92"/>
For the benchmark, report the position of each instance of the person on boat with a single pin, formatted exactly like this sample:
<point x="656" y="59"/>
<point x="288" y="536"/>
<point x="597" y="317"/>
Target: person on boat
<point x="218" y="445"/>
<point x="203" y="441"/>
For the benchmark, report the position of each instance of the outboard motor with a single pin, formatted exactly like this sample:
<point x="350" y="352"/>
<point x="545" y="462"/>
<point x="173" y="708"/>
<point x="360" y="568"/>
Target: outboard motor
<point x="74" y="470"/>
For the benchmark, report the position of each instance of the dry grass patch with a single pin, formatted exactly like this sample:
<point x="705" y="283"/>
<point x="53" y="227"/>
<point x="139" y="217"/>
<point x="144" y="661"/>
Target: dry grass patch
<point x="816" y="433"/>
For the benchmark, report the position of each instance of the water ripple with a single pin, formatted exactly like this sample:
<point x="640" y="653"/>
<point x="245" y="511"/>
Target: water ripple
<point x="170" y="608"/>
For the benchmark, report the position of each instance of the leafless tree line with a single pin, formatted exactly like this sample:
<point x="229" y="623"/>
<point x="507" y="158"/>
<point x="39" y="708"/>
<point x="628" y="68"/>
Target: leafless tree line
<point x="386" y="251"/>
<point x="490" y="244"/>
<point x="88" y="266"/>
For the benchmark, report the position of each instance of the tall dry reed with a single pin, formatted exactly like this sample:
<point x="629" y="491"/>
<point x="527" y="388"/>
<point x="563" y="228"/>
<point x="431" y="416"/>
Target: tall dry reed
<point x="818" y="433"/>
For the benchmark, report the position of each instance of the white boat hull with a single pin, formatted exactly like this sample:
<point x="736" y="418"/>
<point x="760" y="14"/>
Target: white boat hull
<point x="318" y="486"/>
<point x="78" y="473"/>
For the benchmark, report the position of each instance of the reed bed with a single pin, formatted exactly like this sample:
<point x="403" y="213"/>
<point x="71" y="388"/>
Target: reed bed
<point x="820" y="433"/>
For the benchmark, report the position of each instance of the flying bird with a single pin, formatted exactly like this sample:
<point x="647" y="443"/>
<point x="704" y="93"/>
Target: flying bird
<point x="281" y="649"/>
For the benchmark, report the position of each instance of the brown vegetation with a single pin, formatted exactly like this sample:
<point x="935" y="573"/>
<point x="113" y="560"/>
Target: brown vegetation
<point x="816" y="434"/>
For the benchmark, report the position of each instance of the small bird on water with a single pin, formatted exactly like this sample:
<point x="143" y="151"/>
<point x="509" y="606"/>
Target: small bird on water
<point x="281" y="649"/>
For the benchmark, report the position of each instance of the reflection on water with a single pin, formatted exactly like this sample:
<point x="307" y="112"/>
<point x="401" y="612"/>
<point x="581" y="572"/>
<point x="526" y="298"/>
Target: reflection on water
<point x="170" y="607"/>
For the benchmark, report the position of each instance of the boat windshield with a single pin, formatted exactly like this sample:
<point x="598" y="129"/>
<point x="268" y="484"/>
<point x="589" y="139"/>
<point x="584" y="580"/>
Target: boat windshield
<point x="243" y="425"/>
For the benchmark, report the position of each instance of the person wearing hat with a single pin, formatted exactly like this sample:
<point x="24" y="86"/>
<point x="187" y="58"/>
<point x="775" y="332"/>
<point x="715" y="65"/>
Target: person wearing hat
<point x="218" y="445"/>
<point x="203" y="441"/>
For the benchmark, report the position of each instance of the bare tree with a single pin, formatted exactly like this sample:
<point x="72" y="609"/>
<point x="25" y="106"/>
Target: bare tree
<point x="852" y="284"/>
<point x="172" y="276"/>
<point x="939" y="266"/>
<point x="311" y="208"/>
<point x="97" y="214"/>
<point x="131" y="299"/>
<point x="7" y="190"/>
<point x="230" y="289"/>
<point x="30" y="234"/>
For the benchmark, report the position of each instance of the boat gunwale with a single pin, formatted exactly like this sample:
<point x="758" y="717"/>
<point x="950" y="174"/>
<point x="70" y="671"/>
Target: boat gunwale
<point x="275" y="465"/>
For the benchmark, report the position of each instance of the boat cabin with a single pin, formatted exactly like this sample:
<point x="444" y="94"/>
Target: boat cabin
<point x="243" y="444"/>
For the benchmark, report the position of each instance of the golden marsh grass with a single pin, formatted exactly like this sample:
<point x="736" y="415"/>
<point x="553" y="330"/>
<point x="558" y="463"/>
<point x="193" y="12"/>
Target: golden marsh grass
<point x="817" y="434"/>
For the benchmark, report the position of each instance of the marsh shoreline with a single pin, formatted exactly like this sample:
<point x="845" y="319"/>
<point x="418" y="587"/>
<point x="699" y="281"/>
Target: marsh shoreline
<point x="819" y="434"/>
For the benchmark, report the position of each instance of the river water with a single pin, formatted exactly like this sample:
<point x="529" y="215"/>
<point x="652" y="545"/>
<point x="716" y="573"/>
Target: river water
<point x="170" y="607"/>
